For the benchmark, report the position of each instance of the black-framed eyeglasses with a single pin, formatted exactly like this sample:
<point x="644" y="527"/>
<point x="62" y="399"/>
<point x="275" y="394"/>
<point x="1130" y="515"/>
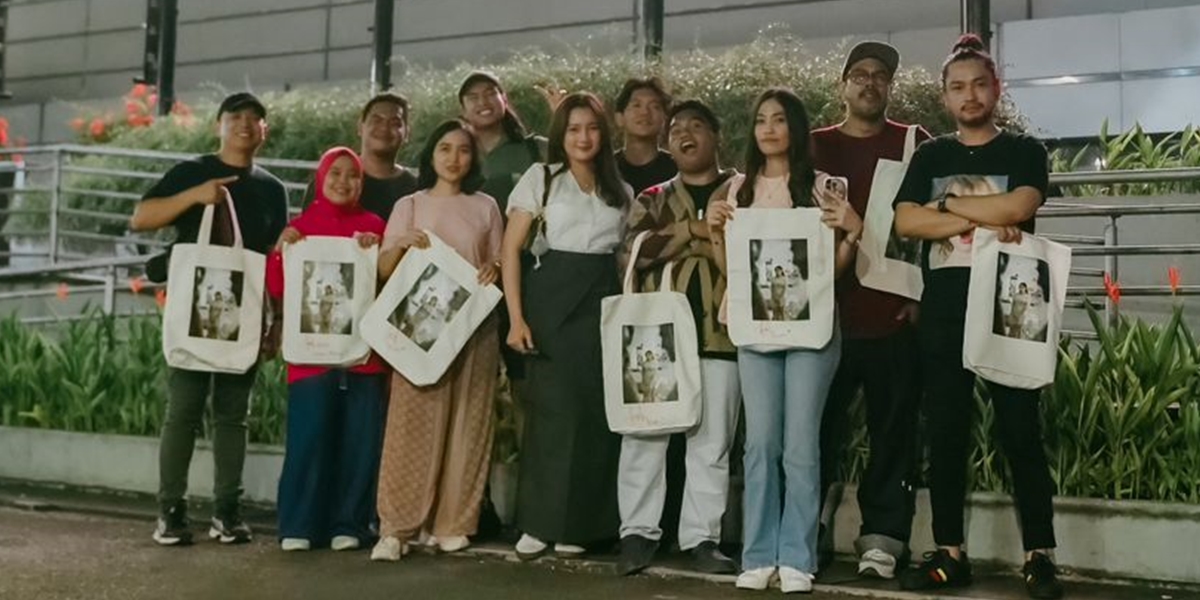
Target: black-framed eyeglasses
<point x="863" y="78"/>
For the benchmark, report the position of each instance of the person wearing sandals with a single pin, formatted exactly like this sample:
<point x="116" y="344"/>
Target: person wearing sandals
<point x="566" y="495"/>
<point x="326" y="489"/>
<point x="438" y="438"/>
<point x="784" y="390"/>
<point x="674" y="211"/>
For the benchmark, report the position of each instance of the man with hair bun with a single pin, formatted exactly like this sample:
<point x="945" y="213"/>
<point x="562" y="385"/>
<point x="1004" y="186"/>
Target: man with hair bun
<point x="1008" y="177"/>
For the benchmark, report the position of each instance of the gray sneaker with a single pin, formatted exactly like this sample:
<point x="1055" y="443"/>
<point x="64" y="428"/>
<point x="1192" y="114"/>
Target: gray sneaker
<point x="877" y="564"/>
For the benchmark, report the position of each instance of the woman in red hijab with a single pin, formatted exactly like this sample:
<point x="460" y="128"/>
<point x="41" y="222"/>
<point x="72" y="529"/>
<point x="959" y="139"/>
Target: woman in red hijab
<point x="334" y="416"/>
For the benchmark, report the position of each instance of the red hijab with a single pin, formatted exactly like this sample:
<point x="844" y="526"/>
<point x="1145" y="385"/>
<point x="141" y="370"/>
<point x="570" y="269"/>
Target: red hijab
<point x="323" y="217"/>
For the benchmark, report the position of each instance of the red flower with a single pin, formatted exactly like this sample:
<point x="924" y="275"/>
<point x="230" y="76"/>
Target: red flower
<point x="97" y="128"/>
<point x="1112" y="288"/>
<point x="138" y="90"/>
<point x="136" y="284"/>
<point x="1174" y="277"/>
<point x="132" y="107"/>
<point x="62" y="291"/>
<point x="151" y="101"/>
<point x="3" y="132"/>
<point x="160" y="297"/>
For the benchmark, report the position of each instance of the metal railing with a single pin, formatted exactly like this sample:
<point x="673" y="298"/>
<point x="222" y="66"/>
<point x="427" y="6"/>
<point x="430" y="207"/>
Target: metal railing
<point x="75" y="200"/>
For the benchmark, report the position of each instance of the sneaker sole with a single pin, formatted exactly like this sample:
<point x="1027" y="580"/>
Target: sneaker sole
<point x="171" y="541"/>
<point x="215" y="534"/>
<point x="876" y="571"/>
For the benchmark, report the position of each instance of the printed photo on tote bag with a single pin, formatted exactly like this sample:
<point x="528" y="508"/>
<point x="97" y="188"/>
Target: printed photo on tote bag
<point x="886" y="261"/>
<point x="780" y="288"/>
<point x="427" y="312"/>
<point x="330" y="286"/>
<point x="1014" y="309"/>
<point x="212" y="320"/>
<point x="651" y="357"/>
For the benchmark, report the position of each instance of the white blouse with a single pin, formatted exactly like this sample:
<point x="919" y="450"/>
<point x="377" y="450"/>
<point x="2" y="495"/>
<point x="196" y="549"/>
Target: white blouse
<point x="575" y="221"/>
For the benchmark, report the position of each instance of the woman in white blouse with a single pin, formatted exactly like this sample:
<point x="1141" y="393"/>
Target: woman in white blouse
<point x="567" y="491"/>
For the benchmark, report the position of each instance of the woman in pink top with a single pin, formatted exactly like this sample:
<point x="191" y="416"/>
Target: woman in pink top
<point x="438" y="438"/>
<point x="783" y="390"/>
<point x="326" y="490"/>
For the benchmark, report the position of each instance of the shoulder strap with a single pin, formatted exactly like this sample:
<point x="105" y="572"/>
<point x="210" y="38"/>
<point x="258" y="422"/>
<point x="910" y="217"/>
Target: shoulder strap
<point x="910" y="142"/>
<point x="546" y="177"/>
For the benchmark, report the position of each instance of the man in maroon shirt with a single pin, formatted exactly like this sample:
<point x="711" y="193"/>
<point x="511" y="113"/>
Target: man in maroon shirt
<point x="879" y="351"/>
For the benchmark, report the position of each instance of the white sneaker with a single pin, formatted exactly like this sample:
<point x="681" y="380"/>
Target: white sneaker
<point x="388" y="549"/>
<point x="755" y="579"/>
<point x="424" y="538"/>
<point x="877" y="563"/>
<point x="569" y="550"/>
<point x="793" y="581"/>
<point x="453" y="543"/>
<point x="529" y="547"/>
<point x="344" y="542"/>
<point x="294" y="544"/>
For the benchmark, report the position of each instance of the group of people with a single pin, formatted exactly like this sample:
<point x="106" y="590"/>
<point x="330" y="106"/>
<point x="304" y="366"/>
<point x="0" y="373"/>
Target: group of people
<point x="372" y="457"/>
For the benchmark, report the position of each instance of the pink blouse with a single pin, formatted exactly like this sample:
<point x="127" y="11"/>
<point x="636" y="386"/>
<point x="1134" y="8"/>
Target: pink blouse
<point x="471" y="224"/>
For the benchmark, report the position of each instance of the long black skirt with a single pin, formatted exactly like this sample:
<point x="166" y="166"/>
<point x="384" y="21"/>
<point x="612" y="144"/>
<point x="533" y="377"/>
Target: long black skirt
<point x="568" y="471"/>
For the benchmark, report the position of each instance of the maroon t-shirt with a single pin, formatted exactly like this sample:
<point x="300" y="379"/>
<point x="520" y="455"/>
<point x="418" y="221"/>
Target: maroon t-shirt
<point x="865" y="313"/>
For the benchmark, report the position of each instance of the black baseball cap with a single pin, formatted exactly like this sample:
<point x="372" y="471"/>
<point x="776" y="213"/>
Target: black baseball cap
<point x="881" y="51"/>
<point x="475" y="77"/>
<point x="240" y="100"/>
<point x="702" y="110"/>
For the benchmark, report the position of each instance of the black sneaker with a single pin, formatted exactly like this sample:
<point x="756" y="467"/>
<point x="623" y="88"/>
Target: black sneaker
<point x="940" y="570"/>
<point x="707" y="558"/>
<point x="1041" y="578"/>
<point x="172" y="527"/>
<point x="637" y="553"/>
<point x="229" y="528"/>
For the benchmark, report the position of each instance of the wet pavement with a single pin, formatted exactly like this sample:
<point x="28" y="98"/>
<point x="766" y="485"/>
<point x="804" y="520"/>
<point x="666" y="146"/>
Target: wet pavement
<point x="61" y="544"/>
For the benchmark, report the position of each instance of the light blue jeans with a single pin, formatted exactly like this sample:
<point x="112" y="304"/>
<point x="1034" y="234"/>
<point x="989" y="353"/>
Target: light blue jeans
<point x="784" y="394"/>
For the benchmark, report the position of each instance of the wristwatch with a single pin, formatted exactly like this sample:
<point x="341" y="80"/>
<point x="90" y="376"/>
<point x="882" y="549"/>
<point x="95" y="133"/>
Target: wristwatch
<point x="941" y="202"/>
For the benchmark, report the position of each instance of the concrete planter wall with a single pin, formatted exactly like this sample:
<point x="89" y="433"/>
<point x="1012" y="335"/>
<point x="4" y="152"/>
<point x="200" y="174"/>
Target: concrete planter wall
<point x="122" y="462"/>
<point x="1127" y="539"/>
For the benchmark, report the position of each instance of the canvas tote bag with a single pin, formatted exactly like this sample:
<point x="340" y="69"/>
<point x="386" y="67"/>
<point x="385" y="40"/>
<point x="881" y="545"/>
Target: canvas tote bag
<point x="212" y="320"/>
<point x="330" y="286"/>
<point x="651" y="357"/>
<point x="781" y="273"/>
<point x="427" y="311"/>
<point x="1014" y="309"/>
<point x="885" y="261"/>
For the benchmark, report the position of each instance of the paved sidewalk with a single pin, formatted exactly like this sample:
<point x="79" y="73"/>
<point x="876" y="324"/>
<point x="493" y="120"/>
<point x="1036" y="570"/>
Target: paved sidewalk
<point x="66" y="544"/>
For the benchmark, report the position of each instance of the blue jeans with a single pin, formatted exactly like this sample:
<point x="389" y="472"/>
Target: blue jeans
<point x="784" y="394"/>
<point x="331" y="460"/>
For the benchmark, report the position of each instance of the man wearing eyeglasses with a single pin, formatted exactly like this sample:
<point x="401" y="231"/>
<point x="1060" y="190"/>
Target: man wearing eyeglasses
<point x="879" y="354"/>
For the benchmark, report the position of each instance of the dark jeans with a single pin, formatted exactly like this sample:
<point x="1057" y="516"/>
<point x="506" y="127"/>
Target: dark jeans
<point x="949" y="411"/>
<point x="887" y="370"/>
<point x="331" y="465"/>
<point x="187" y="395"/>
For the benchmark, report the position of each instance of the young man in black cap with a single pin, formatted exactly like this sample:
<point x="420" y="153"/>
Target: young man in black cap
<point x="879" y="349"/>
<point x="978" y="176"/>
<point x="641" y="114"/>
<point x="178" y="200"/>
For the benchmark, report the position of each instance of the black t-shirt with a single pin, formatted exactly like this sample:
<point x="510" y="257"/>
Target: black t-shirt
<point x="640" y="177"/>
<point x="378" y="195"/>
<point x="945" y="165"/>
<point x="258" y="196"/>
<point x="701" y="193"/>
